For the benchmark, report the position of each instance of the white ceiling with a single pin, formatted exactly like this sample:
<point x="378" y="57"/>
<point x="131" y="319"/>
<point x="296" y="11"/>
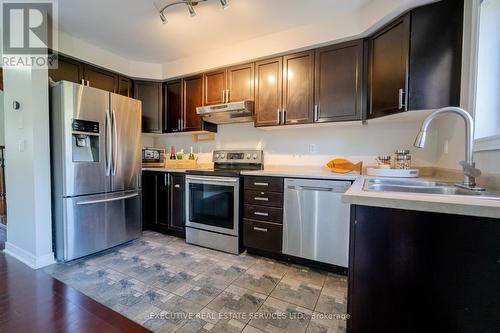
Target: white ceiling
<point x="132" y="28"/>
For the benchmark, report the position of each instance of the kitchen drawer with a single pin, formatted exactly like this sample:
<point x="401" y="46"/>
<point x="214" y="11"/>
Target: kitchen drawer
<point x="269" y="214"/>
<point x="274" y="184"/>
<point x="262" y="235"/>
<point x="263" y="198"/>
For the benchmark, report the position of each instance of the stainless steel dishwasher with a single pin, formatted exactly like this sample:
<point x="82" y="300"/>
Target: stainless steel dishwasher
<point x="316" y="222"/>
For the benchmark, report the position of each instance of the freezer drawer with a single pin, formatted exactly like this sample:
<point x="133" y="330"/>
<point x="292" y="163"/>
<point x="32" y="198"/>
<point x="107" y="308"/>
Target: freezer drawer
<point x="94" y="223"/>
<point x="316" y="222"/>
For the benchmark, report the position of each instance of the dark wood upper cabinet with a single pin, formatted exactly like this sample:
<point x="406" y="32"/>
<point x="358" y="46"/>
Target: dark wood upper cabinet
<point x="298" y="88"/>
<point x="268" y="91"/>
<point x="67" y="70"/>
<point x="436" y="55"/>
<point x="151" y="96"/>
<point x="193" y="98"/>
<point x="388" y="75"/>
<point x="240" y="82"/>
<point x="338" y="82"/>
<point x="215" y="87"/>
<point x="173" y="105"/>
<point x="125" y="87"/>
<point x="100" y="78"/>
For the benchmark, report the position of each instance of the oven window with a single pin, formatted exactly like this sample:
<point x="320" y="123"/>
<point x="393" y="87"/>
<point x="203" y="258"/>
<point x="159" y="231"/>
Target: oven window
<point x="212" y="205"/>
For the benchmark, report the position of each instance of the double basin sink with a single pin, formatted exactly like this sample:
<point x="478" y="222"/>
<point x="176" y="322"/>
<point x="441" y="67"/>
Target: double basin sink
<point x="424" y="187"/>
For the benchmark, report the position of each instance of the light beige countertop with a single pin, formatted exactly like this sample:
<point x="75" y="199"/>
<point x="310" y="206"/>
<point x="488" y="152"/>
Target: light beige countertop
<point x="447" y="204"/>
<point x="301" y="172"/>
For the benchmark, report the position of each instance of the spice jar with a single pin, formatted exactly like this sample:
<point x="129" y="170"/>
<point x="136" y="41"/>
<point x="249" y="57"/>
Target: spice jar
<point x="402" y="159"/>
<point x="384" y="162"/>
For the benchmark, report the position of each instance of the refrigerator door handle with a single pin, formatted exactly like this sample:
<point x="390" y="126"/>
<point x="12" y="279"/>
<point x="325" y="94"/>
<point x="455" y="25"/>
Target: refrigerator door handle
<point x="115" y="144"/>
<point x="98" y="201"/>
<point x="108" y="144"/>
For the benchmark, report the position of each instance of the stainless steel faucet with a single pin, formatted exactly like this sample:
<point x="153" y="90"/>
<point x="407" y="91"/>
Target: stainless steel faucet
<point x="469" y="167"/>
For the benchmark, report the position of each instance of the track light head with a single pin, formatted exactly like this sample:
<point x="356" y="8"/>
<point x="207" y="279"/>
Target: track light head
<point x="224" y="4"/>
<point x="191" y="10"/>
<point x="163" y="18"/>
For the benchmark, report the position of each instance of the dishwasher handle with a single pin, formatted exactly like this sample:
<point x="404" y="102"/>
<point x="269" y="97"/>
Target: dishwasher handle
<point x="312" y="188"/>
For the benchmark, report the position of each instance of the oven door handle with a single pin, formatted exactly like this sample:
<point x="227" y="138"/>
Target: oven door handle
<point x="212" y="179"/>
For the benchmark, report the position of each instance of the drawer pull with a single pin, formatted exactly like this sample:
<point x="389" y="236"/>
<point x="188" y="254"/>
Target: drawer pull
<point x="260" y="214"/>
<point x="260" y="229"/>
<point x="177" y="185"/>
<point x="261" y="184"/>
<point x="261" y="199"/>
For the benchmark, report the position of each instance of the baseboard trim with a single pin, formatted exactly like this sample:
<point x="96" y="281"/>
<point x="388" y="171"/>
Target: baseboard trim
<point x="27" y="258"/>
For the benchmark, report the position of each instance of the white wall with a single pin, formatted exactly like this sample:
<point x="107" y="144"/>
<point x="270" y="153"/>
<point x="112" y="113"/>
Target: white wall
<point x="290" y="146"/>
<point x="80" y="49"/>
<point x="348" y="26"/>
<point x="27" y="171"/>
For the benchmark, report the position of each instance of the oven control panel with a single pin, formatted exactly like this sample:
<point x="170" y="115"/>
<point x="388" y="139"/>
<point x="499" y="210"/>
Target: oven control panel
<point x="238" y="156"/>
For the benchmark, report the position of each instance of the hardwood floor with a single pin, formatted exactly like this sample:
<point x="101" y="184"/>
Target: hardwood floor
<point x="33" y="301"/>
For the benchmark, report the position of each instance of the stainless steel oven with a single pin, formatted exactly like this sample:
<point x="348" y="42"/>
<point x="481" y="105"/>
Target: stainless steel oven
<point x="212" y="212"/>
<point x="213" y="200"/>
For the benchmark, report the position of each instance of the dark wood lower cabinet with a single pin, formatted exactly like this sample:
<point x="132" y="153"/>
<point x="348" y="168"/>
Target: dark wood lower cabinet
<point x="164" y="202"/>
<point x="263" y="215"/>
<point x="177" y="222"/>
<point x="155" y="200"/>
<point x="420" y="272"/>
<point x="261" y="235"/>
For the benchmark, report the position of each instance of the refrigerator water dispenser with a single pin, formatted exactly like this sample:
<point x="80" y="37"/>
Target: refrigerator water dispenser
<point x="85" y="145"/>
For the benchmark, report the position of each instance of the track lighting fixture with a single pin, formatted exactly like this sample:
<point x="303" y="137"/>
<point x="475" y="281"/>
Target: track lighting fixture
<point x="163" y="18"/>
<point x="190" y="5"/>
<point x="191" y="9"/>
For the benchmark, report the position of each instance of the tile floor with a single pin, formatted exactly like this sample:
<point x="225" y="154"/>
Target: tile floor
<point x="167" y="285"/>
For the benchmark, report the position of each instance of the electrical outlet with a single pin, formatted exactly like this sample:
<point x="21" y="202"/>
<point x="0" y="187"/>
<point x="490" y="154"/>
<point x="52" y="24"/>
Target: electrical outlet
<point x="20" y="123"/>
<point x="313" y="148"/>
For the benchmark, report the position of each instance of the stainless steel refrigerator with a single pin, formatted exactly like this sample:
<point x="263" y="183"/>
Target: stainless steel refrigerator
<point x="96" y="169"/>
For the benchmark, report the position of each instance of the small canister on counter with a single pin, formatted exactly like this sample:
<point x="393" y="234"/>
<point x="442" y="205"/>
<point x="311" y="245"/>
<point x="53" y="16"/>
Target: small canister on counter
<point x="402" y="159"/>
<point x="384" y="162"/>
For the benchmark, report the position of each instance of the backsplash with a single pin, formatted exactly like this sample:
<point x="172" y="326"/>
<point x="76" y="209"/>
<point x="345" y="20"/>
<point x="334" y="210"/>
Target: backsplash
<point x="292" y="146"/>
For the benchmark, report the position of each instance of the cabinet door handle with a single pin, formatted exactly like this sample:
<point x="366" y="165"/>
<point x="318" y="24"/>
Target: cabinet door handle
<point x="223" y="96"/>
<point x="261" y="184"/>
<point x="227" y="96"/>
<point x="316" y="113"/>
<point x="82" y="82"/>
<point x="177" y="185"/>
<point x="401" y="95"/>
<point x="166" y="180"/>
<point x="260" y="199"/>
<point x="260" y="214"/>
<point x="284" y="117"/>
<point x="279" y="116"/>
<point x="260" y="229"/>
<point x="88" y="83"/>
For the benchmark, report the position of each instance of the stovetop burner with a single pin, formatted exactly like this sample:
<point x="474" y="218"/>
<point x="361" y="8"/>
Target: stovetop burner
<point x="230" y="163"/>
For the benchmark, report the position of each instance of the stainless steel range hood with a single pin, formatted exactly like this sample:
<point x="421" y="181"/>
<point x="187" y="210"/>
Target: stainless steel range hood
<point x="228" y="113"/>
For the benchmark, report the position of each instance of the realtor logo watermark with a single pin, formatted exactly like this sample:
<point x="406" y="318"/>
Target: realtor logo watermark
<point x="29" y="34"/>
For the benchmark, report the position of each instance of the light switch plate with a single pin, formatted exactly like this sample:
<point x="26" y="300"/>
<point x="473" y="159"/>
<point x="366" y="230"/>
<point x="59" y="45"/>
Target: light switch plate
<point x="22" y="145"/>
